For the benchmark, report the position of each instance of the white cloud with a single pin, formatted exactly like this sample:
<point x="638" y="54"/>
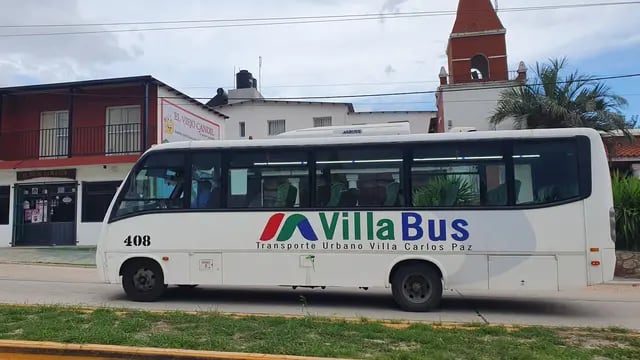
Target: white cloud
<point x="54" y="58"/>
<point x="338" y="52"/>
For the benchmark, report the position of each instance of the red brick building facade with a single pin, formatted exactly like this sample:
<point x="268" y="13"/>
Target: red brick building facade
<point x="65" y="148"/>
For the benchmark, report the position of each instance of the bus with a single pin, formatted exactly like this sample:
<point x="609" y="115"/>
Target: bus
<point x="510" y="210"/>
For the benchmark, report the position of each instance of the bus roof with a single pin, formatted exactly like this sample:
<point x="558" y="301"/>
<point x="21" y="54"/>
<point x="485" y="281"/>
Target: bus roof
<point x="379" y="139"/>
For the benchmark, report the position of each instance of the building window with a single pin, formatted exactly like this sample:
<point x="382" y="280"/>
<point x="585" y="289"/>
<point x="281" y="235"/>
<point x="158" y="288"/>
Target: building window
<point x="359" y="177"/>
<point x="96" y="198"/>
<point x="268" y="179"/>
<point x="243" y="129"/>
<point x="54" y="134"/>
<point x="322" y="121"/>
<point x="5" y="195"/>
<point x="433" y="125"/>
<point x="158" y="184"/>
<point x="123" y="130"/>
<point x="276" y="127"/>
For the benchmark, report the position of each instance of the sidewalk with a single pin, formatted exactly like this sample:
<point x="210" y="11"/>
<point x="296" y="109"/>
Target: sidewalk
<point x="64" y="255"/>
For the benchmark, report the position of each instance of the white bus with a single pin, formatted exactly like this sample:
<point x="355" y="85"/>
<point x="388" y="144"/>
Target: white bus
<point x="419" y="213"/>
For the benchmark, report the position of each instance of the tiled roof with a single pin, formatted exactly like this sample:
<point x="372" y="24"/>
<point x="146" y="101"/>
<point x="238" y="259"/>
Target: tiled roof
<point x="619" y="147"/>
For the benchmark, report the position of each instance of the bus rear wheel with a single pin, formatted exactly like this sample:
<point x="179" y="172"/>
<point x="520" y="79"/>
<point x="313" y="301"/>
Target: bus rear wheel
<point x="143" y="280"/>
<point x="416" y="287"/>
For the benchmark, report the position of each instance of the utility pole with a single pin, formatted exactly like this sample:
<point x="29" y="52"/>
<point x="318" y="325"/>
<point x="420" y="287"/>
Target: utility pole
<point x="259" y="73"/>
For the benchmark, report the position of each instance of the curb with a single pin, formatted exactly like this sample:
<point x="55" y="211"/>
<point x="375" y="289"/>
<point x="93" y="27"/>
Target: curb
<point x="27" y="350"/>
<point x="624" y="282"/>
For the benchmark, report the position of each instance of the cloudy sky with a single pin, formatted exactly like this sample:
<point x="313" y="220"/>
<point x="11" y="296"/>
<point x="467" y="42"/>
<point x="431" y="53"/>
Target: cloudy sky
<point x="311" y="59"/>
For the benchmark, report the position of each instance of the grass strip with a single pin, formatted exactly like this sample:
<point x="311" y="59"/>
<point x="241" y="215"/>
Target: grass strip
<point x="312" y="336"/>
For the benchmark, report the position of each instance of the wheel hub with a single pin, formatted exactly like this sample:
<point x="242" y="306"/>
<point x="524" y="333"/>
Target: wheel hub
<point x="416" y="288"/>
<point x="144" y="279"/>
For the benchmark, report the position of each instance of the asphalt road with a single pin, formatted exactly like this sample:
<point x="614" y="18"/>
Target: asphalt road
<point x="601" y="306"/>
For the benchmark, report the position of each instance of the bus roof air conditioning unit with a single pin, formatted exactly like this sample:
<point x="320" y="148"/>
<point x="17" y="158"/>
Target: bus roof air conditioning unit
<point x="402" y="128"/>
<point x="463" y="129"/>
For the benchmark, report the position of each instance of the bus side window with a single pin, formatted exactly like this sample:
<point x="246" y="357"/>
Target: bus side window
<point x="547" y="170"/>
<point x="268" y="179"/>
<point x="365" y="177"/>
<point x="158" y="184"/>
<point x="205" y="180"/>
<point x="458" y="175"/>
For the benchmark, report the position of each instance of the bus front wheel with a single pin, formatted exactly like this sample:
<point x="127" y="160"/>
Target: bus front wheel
<point x="143" y="280"/>
<point x="416" y="287"/>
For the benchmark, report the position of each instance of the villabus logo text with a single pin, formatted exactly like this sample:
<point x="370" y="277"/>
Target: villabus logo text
<point x="329" y="226"/>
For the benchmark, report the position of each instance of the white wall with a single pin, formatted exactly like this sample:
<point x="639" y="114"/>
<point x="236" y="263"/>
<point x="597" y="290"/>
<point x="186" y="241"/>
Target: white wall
<point x="7" y="177"/>
<point x="418" y="120"/>
<point x="472" y="105"/>
<point x="209" y="117"/>
<point x="297" y="116"/>
<point x="300" y="116"/>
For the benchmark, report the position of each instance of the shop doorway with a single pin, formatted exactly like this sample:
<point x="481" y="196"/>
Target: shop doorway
<point x="45" y="215"/>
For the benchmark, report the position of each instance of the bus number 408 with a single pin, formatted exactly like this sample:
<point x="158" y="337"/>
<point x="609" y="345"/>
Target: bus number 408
<point x="137" y="240"/>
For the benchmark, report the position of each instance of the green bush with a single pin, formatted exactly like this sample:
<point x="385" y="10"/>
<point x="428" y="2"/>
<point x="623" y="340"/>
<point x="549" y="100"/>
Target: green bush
<point x="626" y="200"/>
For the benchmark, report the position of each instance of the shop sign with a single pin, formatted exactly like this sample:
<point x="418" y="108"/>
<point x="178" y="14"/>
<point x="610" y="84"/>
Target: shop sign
<point x="50" y="173"/>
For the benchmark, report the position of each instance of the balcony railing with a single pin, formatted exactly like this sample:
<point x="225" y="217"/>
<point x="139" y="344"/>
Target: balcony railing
<point x="120" y="139"/>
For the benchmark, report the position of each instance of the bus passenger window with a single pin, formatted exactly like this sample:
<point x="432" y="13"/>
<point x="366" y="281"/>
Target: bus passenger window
<point x="458" y="175"/>
<point x="156" y="185"/>
<point x="268" y="179"/>
<point x="367" y="177"/>
<point x="205" y="180"/>
<point x="548" y="171"/>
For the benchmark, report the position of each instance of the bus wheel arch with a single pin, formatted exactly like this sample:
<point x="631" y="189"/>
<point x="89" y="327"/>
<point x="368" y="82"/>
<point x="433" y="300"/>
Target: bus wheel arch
<point x="416" y="284"/>
<point x="142" y="279"/>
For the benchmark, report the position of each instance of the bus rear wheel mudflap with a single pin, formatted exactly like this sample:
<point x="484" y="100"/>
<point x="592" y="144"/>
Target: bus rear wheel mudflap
<point x="416" y="287"/>
<point x="143" y="280"/>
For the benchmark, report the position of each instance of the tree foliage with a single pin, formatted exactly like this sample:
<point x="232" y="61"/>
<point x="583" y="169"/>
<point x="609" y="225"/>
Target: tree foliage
<point x="551" y="100"/>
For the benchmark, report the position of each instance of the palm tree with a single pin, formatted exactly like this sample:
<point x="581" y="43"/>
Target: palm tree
<point x="551" y="102"/>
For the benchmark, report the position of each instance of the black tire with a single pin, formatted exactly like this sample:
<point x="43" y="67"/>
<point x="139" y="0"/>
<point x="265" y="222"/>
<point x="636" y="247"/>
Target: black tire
<point x="143" y="280"/>
<point x="416" y="287"/>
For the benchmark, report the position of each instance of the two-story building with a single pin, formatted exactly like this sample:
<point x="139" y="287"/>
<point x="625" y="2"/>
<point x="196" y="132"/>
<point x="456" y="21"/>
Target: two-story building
<point x="65" y="148"/>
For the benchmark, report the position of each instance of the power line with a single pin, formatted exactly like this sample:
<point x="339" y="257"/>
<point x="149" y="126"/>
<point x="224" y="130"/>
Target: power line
<point x="416" y="82"/>
<point x="376" y="15"/>
<point x="201" y="27"/>
<point x="289" y="18"/>
<point x="450" y="90"/>
<point x="271" y="21"/>
<point x="300" y="98"/>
